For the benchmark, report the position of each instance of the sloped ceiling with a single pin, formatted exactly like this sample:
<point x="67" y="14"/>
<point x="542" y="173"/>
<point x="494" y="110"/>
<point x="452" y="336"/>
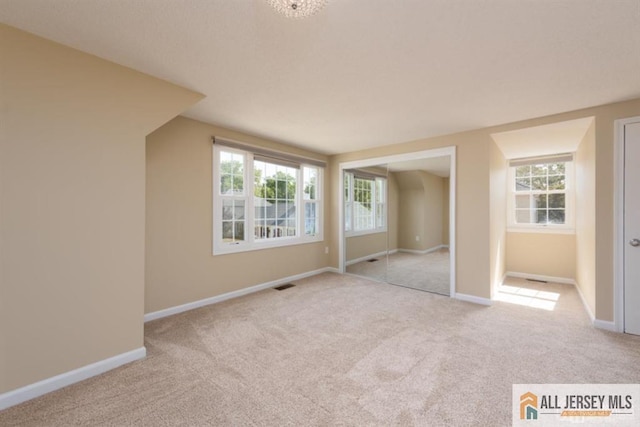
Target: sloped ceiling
<point x="361" y="73"/>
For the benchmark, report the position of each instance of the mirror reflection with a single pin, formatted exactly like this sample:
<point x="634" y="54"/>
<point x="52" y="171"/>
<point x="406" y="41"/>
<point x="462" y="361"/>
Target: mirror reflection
<point x="397" y="223"/>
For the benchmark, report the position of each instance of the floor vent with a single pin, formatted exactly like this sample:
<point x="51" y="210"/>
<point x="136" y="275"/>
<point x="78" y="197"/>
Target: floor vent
<point x="538" y="281"/>
<point x="372" y="260"/>
<point x="283" y="287"/>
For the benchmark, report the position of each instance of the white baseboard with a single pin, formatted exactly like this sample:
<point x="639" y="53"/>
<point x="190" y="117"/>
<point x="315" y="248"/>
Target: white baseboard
<point x="366" y="257"/>
<point x="553" y="279"/>
<point x="34" y="390"/>
<point x="474" y="299"/>
<point x="229" y="295"/>
<point x="424" y="252"/>
<point x="606" y="325"/>
<point x="592" y="318"/>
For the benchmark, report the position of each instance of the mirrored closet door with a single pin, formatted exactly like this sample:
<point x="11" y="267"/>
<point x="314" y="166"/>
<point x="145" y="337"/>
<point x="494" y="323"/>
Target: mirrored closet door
<point x="365" y="221"/>
<point x="397" y="223"/>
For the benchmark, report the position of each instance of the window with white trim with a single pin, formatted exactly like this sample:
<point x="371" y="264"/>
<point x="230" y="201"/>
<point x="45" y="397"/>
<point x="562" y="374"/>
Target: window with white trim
<point x="263" y="199"/>
<point x="541" y="193"/>
<point x="365" y="203"/>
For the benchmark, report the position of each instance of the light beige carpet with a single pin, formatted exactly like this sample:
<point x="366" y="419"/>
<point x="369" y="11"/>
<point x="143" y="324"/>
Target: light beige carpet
<point x="427" y="272"/>
<point x="342" y="350"/>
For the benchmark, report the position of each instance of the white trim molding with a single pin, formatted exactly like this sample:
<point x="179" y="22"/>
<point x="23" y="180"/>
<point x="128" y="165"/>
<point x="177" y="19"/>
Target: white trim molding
<point x="473" y="299"/>
<point x="48" y="385"/>
<point x="606" y="325"/>
<point x="592" y="317"/>
<point x="229" y="295"/>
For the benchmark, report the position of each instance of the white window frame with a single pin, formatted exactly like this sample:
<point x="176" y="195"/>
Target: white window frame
<point x="251" y="243"/>
<point x="350" y="205"/>
<point x="567" y="228"/>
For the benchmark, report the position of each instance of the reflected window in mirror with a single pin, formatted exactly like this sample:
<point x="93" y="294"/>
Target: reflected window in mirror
<point x="365" y="201"/>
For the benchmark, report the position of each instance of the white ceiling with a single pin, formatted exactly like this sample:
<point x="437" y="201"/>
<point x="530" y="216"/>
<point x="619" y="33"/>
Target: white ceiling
<point x="556" y="138"/>
<point x="361" y="73"/>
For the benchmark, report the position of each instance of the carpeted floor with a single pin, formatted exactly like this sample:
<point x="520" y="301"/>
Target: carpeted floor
<point x="426" y="272"/>
<point x="342" y="350"/>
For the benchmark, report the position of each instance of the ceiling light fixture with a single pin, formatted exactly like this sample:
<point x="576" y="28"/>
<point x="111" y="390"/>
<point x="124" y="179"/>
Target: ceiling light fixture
<point x="297" y="8"/>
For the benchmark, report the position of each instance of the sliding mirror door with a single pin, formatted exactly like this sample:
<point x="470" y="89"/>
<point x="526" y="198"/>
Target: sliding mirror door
<point x="366" y="221"/>
<point x="397" y="219"/>
<point x="421" y="259"/>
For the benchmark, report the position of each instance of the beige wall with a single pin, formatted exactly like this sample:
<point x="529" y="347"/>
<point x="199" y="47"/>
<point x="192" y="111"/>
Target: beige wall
<point x="180" y="267"/>
<point x="366" y="245"/>
<point x="585" y="168"/>
<point x="543" y="254"/>
<point x="420" y="210"/>
<point x="498" y="218"/>
<point x="72" y="190"/>
<point x="411" y="219"/>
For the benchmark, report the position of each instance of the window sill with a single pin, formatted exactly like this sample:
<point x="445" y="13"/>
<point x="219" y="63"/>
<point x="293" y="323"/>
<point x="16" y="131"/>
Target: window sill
<point x="542" y="230"/>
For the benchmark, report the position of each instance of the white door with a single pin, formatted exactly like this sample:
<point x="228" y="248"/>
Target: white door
<point x="632" y="228"/>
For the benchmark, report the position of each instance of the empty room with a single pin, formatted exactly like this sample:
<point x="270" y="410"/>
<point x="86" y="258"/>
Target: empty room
<point x="319" y="212"/>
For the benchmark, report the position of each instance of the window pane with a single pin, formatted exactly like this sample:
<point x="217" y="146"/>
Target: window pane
<point x="556" y="216"/>
<point x="310" y="183"/>
<point x="523" y="216"/>
<point x="539" y="170"/>
<point x="275" y="200"/>
<point x="232" y="209"/>
<point x="310" y="219"/>
<point x="239" y="230"/>
<point x="227" y="209"/>
<point x="231" y="173"/>
<point x="380" y="215"/>
<point x="540" y="201"/>
<point x="347" y="187"/>
<point x="539" y="183"/>
<point x="541" y="216"/>
<point x="556" y="201"/>
<point x="522" y="171"/>
<point x="227" y="231"/>
<point x="522" y="201"/>
<point x="523" y="184"/>
<point x="556" y="182"/>
<point x="556" y="168"/>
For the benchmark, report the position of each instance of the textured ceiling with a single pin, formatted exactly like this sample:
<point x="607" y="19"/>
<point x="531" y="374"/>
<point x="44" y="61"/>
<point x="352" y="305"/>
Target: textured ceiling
<point x="361" y="73"/>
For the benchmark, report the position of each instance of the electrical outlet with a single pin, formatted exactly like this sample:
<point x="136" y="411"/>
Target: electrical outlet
<point x="326" y="249"/>
<point x="417" y="238"/>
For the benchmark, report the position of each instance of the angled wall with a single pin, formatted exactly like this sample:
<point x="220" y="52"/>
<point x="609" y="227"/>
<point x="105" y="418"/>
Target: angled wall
<point x="72" y="185"/>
